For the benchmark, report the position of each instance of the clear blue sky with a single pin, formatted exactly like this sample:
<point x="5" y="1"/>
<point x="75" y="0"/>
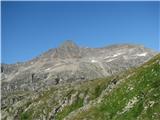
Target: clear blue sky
<point x="30" y="28"/>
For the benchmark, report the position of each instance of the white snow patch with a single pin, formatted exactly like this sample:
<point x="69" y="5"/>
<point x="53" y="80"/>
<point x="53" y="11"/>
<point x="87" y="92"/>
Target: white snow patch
<point x="110" y="60"/>
<point x="107" y="57"/>
<point x="115" y="55"/>
<point x="48" y="69"/>
<point x="142" y="54"/>
<point x="93" y="61"/>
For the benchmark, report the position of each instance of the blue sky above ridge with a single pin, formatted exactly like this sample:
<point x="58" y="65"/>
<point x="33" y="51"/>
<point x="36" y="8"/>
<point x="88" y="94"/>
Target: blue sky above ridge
<point x="30" y="28"/>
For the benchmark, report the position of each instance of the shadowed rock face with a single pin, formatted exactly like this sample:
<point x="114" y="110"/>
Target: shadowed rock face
<point x="70" y="63"/>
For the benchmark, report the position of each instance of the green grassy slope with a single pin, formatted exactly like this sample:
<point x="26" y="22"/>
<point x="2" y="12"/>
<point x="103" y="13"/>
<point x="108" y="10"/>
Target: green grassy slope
<point x="137" y="97"/>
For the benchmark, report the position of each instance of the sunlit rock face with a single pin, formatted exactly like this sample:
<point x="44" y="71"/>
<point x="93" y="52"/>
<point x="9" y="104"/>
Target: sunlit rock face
<point x="69" y="63"/>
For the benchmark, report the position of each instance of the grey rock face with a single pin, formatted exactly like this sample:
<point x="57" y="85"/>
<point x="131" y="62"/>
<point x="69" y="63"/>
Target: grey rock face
<point x="70" y="63"/>
<point x="68" y="50"/>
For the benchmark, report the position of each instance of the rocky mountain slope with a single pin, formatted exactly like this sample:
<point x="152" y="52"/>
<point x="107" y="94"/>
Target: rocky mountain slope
<point x="133" y="94"/>
<point x="72" y="63"/>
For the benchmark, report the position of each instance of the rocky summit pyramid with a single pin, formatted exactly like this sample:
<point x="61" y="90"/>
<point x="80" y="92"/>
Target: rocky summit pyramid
<point x="51" y="74"/>
<point x="68" y="50"/>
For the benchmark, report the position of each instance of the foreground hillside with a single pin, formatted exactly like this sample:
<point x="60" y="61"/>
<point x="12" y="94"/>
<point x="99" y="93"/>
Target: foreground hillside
<point x="134" y="94"/>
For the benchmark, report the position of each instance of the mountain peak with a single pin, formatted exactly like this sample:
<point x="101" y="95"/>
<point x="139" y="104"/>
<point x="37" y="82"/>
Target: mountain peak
<point x="68" y="49"/>
<point x="68" y="44"/>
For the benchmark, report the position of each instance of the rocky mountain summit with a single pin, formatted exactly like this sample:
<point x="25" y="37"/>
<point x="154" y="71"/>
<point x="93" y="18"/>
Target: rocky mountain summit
<point x="69" y="63"/>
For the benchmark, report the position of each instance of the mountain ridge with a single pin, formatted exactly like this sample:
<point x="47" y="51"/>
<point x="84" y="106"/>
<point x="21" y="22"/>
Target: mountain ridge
<point x="69" y="63"/>
<point x="84" y="47"/>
